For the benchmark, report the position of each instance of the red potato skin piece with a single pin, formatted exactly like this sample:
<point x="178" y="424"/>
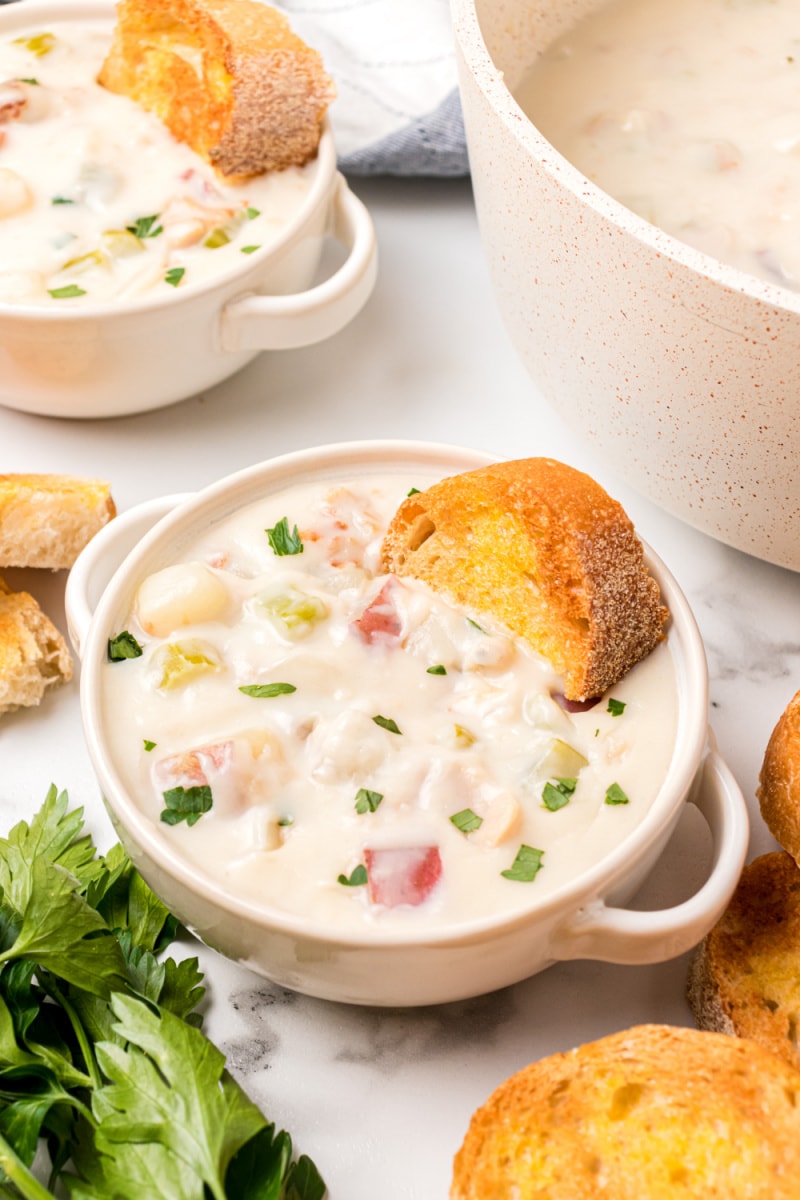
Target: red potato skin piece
<point x="188" y="769"/>
<point x="402" y="874"/>
<point x="380" y="621"/>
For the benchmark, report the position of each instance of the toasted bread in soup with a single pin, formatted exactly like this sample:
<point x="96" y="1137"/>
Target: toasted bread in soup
<point x="744" y="978"/>
<point x="33" y="654"/>
<point x="46" y="520"/>
<point x="227" y="77"/>
<point x="779" y="782"/>
<point x="652" y="1113"/>
<point x="544" y="550"/>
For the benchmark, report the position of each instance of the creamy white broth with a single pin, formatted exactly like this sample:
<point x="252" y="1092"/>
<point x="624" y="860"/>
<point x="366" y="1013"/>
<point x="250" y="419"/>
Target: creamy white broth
<point x="286" y="771"/>
<point x="687" y="113"/>
<point x="81" y="167"/>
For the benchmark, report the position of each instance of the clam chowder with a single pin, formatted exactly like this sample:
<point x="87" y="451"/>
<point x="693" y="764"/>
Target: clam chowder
<point x="98" y="202"/>
<point x="687" y="113"/>
<point x="346" y="746"/>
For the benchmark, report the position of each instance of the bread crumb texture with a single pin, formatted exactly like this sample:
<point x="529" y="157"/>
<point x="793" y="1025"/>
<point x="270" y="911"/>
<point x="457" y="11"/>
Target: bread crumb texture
<point x="745" y="977"/>
<point x="779" y="782"/>
<point x="652" y="1113"/>
<point x="33" y="654"/>
<point x="46" y="520"/>
<point x="227" y="77"/>
<point x="548" y="553"/>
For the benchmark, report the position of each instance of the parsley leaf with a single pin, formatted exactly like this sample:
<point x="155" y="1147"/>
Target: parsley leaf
<point x="357" y="877"/>
<point x="556" y="795"/>
<point x="174" y="275"/>
<point x="615" y="795"/>
<point x="186" y="804"/>
<point x="387" y="723"/>
<point x="249" y="249"/>
<point x="262" y="691"/>
<point x="283" y="542"/>
<point x="467" y="820"/>
<point x="525" y="866"/>
<point x="148" y="745"/>
<point x="615" y="707"/>
<point x="367" y="801"/>
<point x="124" y="645"/>
<point x="251" y="213"/>
<point x="143" y="227"/>
<point x="437" y="670"/>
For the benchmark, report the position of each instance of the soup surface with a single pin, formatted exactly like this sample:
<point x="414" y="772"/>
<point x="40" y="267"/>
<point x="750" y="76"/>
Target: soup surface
<point x="347" y="746"/>
<point x="686" y="111"/>
<point x="98" y="202"/>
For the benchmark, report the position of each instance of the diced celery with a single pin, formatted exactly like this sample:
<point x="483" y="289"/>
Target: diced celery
<point x="295" y="611"/>
<point x="121" y="243"/>
<point x="217" y="238"/>
<point x="463" y="737"/>
<point x="86" y="262"/>
<point x="177" y="663"/>
<point x="40" y="44"/>
<point x="561" y="761"/>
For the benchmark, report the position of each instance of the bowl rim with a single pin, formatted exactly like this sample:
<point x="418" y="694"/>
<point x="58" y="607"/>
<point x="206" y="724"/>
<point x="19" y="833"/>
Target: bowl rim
<point x="332" y="461"/>
<point x="322" y="169"/>
<point x="490" y="80"/>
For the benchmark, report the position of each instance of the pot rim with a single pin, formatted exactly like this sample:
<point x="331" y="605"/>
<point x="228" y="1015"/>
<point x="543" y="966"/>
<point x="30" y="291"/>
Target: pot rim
<point x="490" y="80"/>
<point x="247" y="273"/>
<point x="332" y="461"/>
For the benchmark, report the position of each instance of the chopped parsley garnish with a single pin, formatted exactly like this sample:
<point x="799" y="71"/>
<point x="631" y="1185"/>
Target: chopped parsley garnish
<point x="412" y="492"/>
<point x="263" y="691"/>
<point x="615" y="795"/>
<point x="357" y="877"/>
<point x="148" y="745"/>
<point x="29" y="79"/>
<point x="467" y="820"/>
<point x="124" y="645"/>
<point x="186" y="804"/>
<point x="61" y="200"/>
<point x="284" y="821"/>
<point x="616" y="707"/>
<point x="556" y="795"/>
<point x="437" y="670"/>
<point x="475" y="625"/>
<point x="174" y="275"/>
<point x="367" y="801"/>
<point x="250" y="249"/>
<point x="387" y="723"/>
<point x="143" y="227"/>
<point x="282" y="541"/>
<point x="525" y="866"/>
<point x="66" y="293"/>
<point x="251" y="213"/>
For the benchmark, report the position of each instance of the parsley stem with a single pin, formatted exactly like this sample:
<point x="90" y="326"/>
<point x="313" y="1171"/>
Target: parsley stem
<point x="51" y="987"/>
<point x="22" y="1179"/>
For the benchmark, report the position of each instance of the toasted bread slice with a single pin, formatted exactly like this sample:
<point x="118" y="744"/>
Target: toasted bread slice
<point x="46" y="520"/>
<point x="228" y="77"/>
<point x="544" y="550"/>
<point x="652" y="1113"/>
<point x="744" y="978"/>
<point x="33" y="654"/>
<point x="779" y="782"/>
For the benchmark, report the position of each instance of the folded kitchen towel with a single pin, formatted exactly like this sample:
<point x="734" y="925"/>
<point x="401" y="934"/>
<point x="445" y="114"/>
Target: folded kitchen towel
<point x="397" y="110"/>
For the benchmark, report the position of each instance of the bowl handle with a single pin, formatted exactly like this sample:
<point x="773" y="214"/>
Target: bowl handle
<point x="96" y="564"/>
<point x="621" y="935"/>
<point x="256" y="322"/>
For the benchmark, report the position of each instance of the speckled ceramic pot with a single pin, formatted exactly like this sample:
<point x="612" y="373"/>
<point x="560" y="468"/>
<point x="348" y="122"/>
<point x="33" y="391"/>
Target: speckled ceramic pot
<point x="683" y="372"/>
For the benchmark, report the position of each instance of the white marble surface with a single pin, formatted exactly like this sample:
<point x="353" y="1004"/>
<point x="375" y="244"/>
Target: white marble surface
<point x="381" y="1099"/>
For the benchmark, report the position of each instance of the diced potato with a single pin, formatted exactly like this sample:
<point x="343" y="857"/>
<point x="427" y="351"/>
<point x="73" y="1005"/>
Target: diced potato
<point x="502" y="819"/>
<point x="177" y="663"/>
<point x="186" y="594"/>
<point x="348" y="747"/>
<point x="15" y="195"/>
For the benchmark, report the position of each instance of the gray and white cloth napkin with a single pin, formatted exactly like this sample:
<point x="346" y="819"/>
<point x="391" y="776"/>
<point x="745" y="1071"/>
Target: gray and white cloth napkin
<point x="397" y="111"/>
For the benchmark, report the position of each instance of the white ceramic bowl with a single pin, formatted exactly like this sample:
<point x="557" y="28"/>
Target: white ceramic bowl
<point x="683" y="372"/>
<point x="106" y="361"/>
<point x="581" y="920"/>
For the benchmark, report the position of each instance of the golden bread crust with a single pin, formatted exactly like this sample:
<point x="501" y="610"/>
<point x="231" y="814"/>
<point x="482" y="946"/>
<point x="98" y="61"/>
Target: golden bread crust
<point x="779" y="782"/>
<point x="33" y="654"/>
<point x="545" y="550"/>
<point x="228" y="77"/>
<point x="745" y="977"/>
<point x="652" y="1113"/>
<point x="46" y="520"/>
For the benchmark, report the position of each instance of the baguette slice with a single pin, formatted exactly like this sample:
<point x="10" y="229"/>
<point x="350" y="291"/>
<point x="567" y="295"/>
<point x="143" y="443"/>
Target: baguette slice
<point x="46" y="520"/>
<point x="228" y="77"/>
<point x="544" y="550"/>
<point x="33" y="654"/>
<point x="744" y="978"/>
<point x="652" y="1113"/>
<point x="779" y="782"/>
